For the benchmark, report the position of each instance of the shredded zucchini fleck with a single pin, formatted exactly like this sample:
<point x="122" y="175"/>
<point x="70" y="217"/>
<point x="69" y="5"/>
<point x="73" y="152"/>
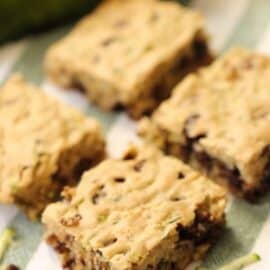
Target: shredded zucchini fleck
<point x="5" y="240"/>
<point x="240" y="263"/>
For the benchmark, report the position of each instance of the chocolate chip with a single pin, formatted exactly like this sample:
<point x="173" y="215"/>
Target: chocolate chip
<point x="119" y="179"/>
<point x="265" y="151"/>
<point x="61" y="248"/>
<point x="200" y="48"/>
<point x="180" y="175"/>
<point x="204" y="159"/>
<point x="78" y="86"/>
<point x="99" y="252"/>
<point x="83" y="165"/>
<point x="203" y="230"/>
<point x="108" y="41"/>
<point x="95" y="198"/>
<point x="175" y="199"/>
<point x="233" y="176"/>
<point x="72" y="221"/>
<point x="69" y="264"/>
<point x="118" y="107"/>
<point x="138" y="166"/>
<point x="82" y="261"/>
<point x="98" y="195"/>
<point x="131" y="154"/>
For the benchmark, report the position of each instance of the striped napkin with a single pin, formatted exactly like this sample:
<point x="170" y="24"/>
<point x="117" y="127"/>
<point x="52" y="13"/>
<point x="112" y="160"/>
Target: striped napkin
<point x="231" y="22"/>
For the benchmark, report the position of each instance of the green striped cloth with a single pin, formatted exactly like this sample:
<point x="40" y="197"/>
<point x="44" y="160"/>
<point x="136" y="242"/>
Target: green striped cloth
<point x="238" y="22"/>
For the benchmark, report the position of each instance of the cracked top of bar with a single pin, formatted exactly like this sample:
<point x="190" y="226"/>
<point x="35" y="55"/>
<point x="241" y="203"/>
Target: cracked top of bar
<point x="123" y="46"/>
<point x="35" y="130"/>
<point x="224" y="109"/>
<point x="124" y="209"/>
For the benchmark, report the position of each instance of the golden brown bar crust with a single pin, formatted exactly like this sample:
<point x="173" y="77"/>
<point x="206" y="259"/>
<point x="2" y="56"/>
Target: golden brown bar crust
<point x="44" y="145"/>
<point x="130" y="53"/>
<point x="146" y="211"/>
<point x="218" y="120"/>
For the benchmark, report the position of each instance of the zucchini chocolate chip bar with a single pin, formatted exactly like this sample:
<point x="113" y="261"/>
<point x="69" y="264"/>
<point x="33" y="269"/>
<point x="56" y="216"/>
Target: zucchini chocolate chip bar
<point x="44" y="146"/>
<point x="146" y="211"/>
<point x="218" y="120"/>
<point x="129" y="54"/>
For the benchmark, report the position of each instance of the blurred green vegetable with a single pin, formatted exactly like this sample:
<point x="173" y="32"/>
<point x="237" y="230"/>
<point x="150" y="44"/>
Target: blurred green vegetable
<point x="240" y="263"/>
<point x="18" y="17"/>
<point x="6" y="238"/>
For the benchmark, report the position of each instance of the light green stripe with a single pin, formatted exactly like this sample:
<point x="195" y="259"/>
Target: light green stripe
<point x="106" y="119"/>
<point x="30" y="61"/>
<point x="252" y="26"/>
<point x="28" y="237"/>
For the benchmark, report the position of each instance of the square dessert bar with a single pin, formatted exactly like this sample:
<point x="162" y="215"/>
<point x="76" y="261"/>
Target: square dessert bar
<point x="129" y="54"/>
<point x="146" y="211"/>
<point x="218" y="120"/>
<point x="44" y="146"/>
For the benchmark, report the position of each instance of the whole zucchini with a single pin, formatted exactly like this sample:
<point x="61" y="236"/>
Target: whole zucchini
<point x="18" y="17"/>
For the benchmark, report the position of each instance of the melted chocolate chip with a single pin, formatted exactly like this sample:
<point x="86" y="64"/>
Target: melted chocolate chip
<point x="78" y="86"/>
<point x="202" y="231"/>
<point x="204" y="159"/>
<point x="232" y="175"/>
<point x="118" y="107"/>
<point x="83" y="165"/>
<point x="180" y="175"/>
<point x="200" y="48"/>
